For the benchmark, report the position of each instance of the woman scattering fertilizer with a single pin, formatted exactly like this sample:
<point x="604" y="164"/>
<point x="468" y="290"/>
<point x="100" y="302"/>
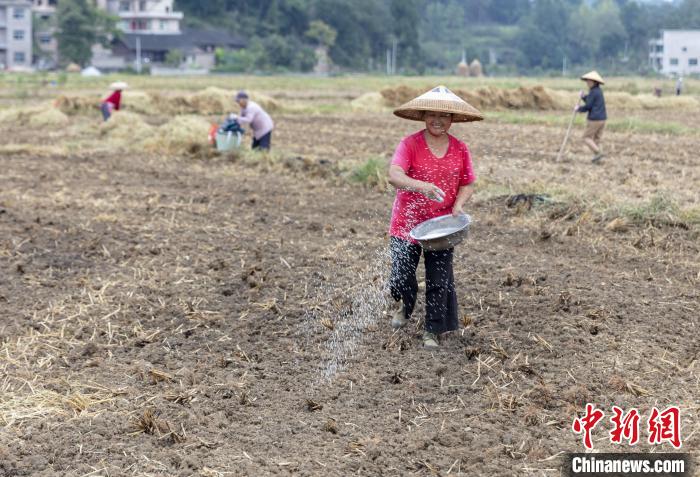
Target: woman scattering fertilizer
<point x="432" y="172"/>
<point x="113" y="101"/>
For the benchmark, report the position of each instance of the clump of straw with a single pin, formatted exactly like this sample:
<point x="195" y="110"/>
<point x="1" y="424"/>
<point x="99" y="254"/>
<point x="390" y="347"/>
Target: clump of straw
<point x="182" y="134"/>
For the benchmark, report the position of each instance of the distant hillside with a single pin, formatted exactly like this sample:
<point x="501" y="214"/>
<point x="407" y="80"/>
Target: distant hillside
<point x="431" y="35"/>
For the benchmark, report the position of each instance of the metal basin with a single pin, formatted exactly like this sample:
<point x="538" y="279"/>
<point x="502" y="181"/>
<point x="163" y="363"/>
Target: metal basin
<point x="442" y="233"/>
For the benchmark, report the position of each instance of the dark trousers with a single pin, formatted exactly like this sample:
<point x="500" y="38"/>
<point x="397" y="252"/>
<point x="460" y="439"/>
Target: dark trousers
<point x="263" y="142"/>
<point x="440" y="295"/>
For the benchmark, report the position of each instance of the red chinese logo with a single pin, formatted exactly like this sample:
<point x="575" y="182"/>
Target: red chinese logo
<point x="587" y="423"/>
<point x="626" y="426"/>
<point x="661" y="426"/>
<point x="665" y="426"/>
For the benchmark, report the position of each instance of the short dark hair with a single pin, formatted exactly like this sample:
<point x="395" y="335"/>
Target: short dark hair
<point x="241" y="95"/>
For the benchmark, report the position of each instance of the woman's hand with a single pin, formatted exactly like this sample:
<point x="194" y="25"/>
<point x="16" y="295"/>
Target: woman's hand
<point x="463" y="195"/>
<point x="431" y="191"/>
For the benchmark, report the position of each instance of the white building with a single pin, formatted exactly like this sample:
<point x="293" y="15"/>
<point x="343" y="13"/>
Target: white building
<point x="15" y="34"/>
<point x="676" y="53"/>
<point x="44" y="8"/>
<point x="144" y="16"/>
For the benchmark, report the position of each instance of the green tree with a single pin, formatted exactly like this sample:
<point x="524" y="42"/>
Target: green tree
<point x="533" y="34"/>
<point x="208" y="8"/>
<point x="443" y="33"/>
<point x="542" y="34"/>
<point x="613" y="35"/>
<point x="278" y="53"/>
<point x="79" y="26"/>
<point x="362" y="30"/>
<point x="174" y="58"/>
<point x="507" y="12"/>
<point x="406" y="22"/>
<point x="596" y="32"/>
<point x="321" y="33"/>
<point x="688" y="14"/>
<point x="237" y="61"/>
<point x="635" y="19"/>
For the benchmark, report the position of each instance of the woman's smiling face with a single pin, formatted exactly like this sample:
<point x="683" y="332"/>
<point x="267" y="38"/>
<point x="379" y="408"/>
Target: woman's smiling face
<point x="436" y="123"/>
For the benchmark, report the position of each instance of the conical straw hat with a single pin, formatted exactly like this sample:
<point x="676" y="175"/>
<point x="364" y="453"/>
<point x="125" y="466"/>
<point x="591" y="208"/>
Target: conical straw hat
<point x="442" y="100"/>
<point x="118" y="85"/>
<point x="593" y="75"/>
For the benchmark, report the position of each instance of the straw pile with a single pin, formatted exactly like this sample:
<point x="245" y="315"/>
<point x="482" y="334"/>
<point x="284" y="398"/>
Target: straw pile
<point x="268" y="103"/>
<point x="48" y="117"/>
<point x="17" y="115"/>
<point x="543" y="99"/>
<point x="475" y="68"/>
<point x="77" y="104"/>
<point x="40" y="116"/>
<point x="210" y="101"/>
<point x="462" y="69"/>
<point x="399" y="95"/>
<point x="537" y="97"/>
<point x="126" y="126"/>
<point x="182" y="134"/>
<point x="371" y="102"/>
<point x="136" y="101"/>
<point x="139" y="102"/>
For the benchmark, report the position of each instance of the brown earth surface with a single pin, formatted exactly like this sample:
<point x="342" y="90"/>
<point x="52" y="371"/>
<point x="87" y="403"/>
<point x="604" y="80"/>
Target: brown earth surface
<point x="180" y="316"/>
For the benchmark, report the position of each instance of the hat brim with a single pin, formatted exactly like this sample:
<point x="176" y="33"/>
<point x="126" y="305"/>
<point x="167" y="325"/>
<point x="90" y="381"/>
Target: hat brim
<point x="118" y="85"/>
<point x="415" y="111"/>
<point x="597" y="79"/>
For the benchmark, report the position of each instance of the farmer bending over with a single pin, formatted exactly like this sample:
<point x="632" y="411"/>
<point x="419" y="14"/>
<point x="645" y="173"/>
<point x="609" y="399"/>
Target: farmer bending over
<point x="260" y="122"/>
<point x="595" y="106"/>
<point x="432" y="172"/>
<point x="114" y="100"/>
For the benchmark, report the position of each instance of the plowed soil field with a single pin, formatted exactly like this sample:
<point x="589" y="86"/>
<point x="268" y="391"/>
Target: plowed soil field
<point x="163" y="314"/>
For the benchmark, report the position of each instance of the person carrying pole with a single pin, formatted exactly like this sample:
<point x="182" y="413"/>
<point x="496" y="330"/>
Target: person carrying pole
<point x="594" y="105"/>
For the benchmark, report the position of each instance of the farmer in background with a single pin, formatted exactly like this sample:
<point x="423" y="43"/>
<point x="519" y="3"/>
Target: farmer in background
<point x="114" y="100"/>
<point x="679" y="86"/>
<point x="432" y="172"/>
<point x="594" y="104"/>
<point x="254" y="115"/>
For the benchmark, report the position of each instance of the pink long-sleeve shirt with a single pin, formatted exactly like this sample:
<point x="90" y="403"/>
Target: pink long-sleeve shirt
<point x="260" y="122"/>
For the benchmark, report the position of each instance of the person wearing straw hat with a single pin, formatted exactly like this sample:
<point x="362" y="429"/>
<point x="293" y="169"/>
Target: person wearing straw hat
<point x="114" y="100"/>
<point x="594" y="105"/>
<point x="432" y="172"/>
